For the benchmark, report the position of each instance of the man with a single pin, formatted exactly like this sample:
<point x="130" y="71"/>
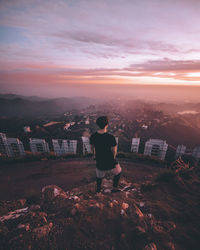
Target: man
<point x="104" y="148"/>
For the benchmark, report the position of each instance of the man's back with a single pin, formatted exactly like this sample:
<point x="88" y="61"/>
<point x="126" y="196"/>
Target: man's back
<point x="103" y="144"/>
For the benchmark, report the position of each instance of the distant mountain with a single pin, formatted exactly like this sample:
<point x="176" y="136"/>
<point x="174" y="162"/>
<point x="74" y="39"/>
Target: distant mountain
<point x="30" y="98"/>
<point x="14" y="105"/>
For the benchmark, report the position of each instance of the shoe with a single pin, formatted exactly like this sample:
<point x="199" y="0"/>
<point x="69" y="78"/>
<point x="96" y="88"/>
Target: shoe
<point x="98" y="190"/>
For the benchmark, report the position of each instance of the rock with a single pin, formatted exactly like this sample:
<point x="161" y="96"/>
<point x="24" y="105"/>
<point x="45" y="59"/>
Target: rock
<point x="125" y="206"/>
<point x="44" y="219"/>
<point x="110" y="204"/>
<point x="42" y="214"/>
<point x="97" y="204"/>
<point x="141" y="204"/>
<point x="115" y="202"/>
<point x="124" y="182"/>
<point x="107" y="183"/>
<point x="163" y="226"/>
<point x="101" y="206"/>
<point x="75" y="198"/>
<point x="151" y="246"/>
<point x="40" y="232"/>
<point x="137" y="211"/>
<point x="54" y="199"/>
<point x="140" y="229"/>
<point x="52" y="191"/>
<point x="170" y="246"/>
<point x="25" y="226"/>
<point x="122" y="212"/>
<point x="34" y="207"/>
<point x="75" y="191"/>
<point x="22" y="202"/>
<point x="107" y="191"/>
<point x="77" y="205"/>
<point x="127" y="194"/>
<point x="157" y="228"/>
<point x="128" y="187"/>
<point x="14" y="214"/>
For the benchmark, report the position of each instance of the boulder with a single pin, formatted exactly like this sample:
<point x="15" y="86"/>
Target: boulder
<point x="52" y="191"/>
<point x="54" y="200"/>
<point x="14" y="214"/>
<point x="40" y="232"/>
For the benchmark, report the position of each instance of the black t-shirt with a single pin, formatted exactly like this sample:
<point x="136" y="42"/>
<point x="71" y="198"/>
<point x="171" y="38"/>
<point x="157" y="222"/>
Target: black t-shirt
<point x="104" y="156"/>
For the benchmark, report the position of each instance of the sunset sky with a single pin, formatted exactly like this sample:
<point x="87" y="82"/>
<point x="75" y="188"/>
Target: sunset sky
<point x="49" y="44"/>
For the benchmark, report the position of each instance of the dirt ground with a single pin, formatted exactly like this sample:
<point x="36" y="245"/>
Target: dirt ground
<point x="27" y="179"/>
<point x="156" y="208"/>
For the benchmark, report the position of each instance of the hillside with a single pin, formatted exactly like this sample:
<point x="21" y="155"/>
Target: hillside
<point x="156" y="209"/>
<point x="14" y="105"/>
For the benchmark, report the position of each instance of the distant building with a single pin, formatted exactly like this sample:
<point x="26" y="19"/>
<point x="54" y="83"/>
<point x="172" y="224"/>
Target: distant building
<point x="156" y="147"/>
<point x="68" y="125"/>
<point x="135" y="145"/>
<point x="87" y="121"/>
<point x="27" y="129"/>
<point x="196" y="153"/>
<point x="3" y="145"/>
<point x="181" y="149"/>
<point x="15" y="147"/>
<point x="144" y="126"/>
<point x="39" y="145"/>
<point x="63" y="147"/>
<point x="86" y="145"/>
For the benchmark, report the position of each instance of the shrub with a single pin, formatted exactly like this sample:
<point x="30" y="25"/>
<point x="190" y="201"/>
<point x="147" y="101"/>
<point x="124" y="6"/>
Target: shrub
<point x="185" y="174"/>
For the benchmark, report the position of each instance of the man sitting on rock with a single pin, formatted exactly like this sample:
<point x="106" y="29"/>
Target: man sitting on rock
<point x="104" y="148"/>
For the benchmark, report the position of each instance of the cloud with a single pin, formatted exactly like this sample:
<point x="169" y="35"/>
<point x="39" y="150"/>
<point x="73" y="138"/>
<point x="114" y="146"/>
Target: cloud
<point x="167" y="65"/>
<point x="163" y="70"/>
<point x="126" y="44"/>
<point x="84" y="40"/>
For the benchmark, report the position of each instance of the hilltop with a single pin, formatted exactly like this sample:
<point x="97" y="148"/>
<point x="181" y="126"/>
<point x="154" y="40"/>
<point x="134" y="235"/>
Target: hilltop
<point x="157" y="208"/>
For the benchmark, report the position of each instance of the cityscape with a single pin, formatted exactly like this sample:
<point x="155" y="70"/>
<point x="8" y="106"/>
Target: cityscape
<point x="13" y="147"/>
<point x="163" y="130"/>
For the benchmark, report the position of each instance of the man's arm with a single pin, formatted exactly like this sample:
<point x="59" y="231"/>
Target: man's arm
<point x="114" y="150"/>
<point x="93" y="150"/>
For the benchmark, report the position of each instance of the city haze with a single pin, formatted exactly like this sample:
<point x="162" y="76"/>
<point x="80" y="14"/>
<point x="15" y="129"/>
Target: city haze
<point x="112" y="91"/>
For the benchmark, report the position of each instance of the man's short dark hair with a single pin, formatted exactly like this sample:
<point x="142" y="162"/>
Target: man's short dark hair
<point x="102" y="121"/>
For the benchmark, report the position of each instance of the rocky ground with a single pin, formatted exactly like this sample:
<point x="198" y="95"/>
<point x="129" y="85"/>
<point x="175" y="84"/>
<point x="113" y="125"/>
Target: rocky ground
<point x="160" y="213"/>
